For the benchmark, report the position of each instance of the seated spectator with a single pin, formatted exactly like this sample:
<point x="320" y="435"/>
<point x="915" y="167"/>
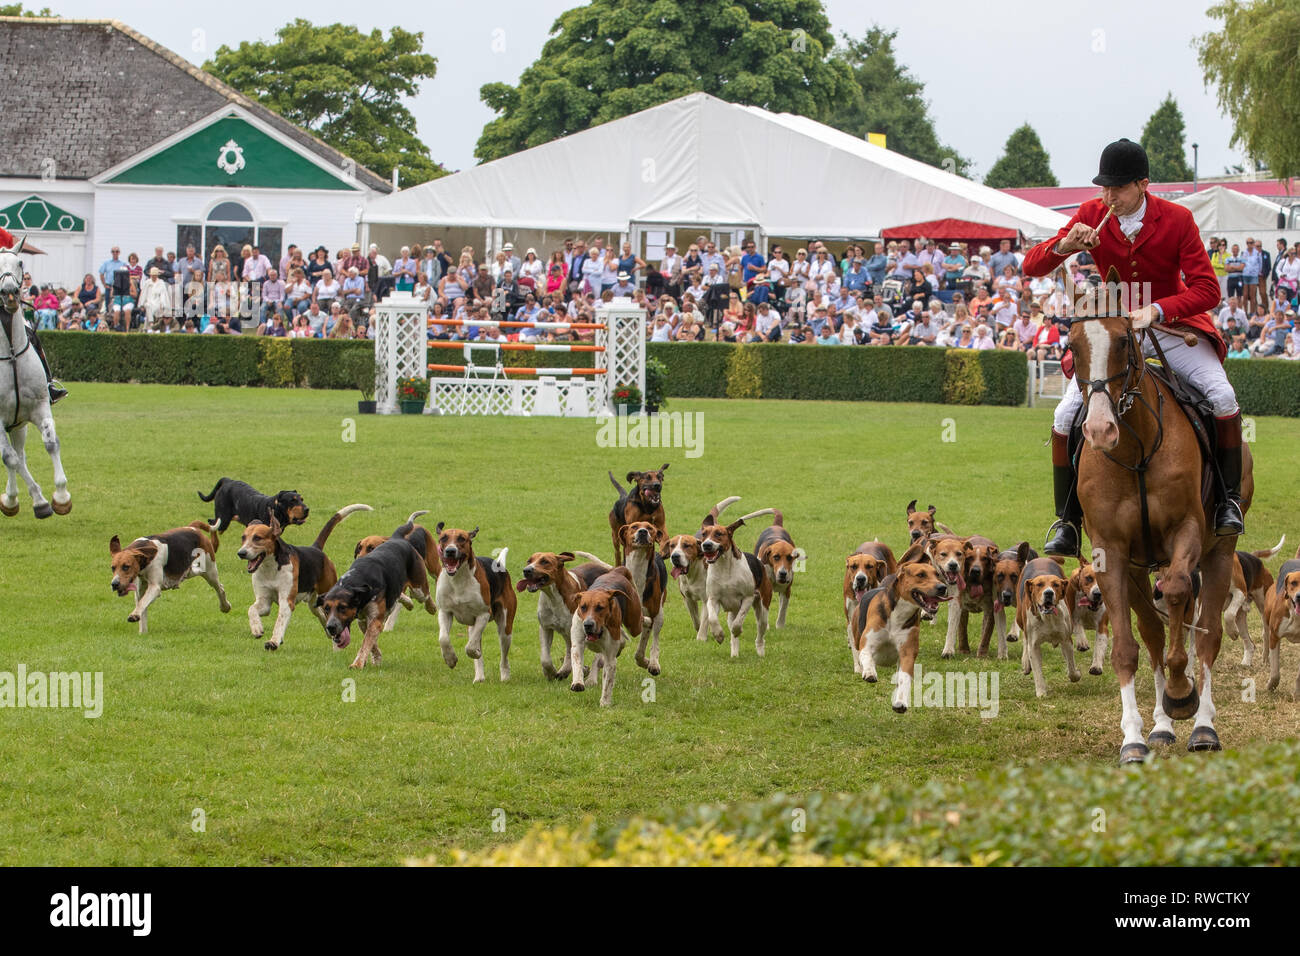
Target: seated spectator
<point x="976" y="272"/>
<point x="354" y="291"/>
<point x="275" y="327"/>
<point x="690" y="329"/>
<point x="46" y="305"/>
<point x="926" y="328"/>
<point x="983" y="338"/>
<point x="882" y="329"/>
<point x="1007" y="341"/>
<point x="301" y="328"/>
<point x="965" y="338"/>
<point x="327" y="289"/>
<point x="1239" y="349"/>
<point x="1025" y="328"/>
<point x="1004" y="310"/>
<point x="1047" y="343"/>
<point x="661" y="329"/>
<point x="851" y="332"/>
<point x="767" y="324"/>
<point x="343" y="328"/>
<point x="828" y="335"/>
<point x="316" y="319"/>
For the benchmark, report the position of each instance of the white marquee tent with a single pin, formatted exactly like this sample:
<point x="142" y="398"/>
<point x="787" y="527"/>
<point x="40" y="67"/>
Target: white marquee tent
<point x="1234" y="216"/>
<point x="700" y="162"/>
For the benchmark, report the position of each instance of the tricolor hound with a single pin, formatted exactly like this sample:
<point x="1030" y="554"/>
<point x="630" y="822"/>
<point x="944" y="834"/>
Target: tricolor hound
<point x="473" y="591"/>
<point x="293" y="574"/>
<point x="161" y="562"/>
<point x="886" y="623"/>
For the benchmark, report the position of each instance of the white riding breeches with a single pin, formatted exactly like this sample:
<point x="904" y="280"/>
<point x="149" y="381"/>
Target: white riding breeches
<point x="1198" y="364"/>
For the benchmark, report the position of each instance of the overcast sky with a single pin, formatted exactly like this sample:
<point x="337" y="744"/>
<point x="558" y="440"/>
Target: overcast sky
<point x="1082" y="74"/>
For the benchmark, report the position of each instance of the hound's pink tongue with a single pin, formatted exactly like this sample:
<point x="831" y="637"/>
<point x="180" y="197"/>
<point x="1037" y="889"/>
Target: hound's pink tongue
<point x="976" y="590"/>
<point x="997" y="606"/>
<point x="344" y="639"/>
<point x="521" y="586"/>
<point x="1084" y="602"/>
<point x="677" y="572"/>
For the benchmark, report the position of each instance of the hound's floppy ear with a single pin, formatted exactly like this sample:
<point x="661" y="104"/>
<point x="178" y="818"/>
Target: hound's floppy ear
<point x="114" y="545"/>
<point x="1059" y="559"/>
<point x="915" y="553"/>
<point x="149" y="550"/>
<point x="473" y="533"/>
<point x="356" y="552"/>
<point x="275" y="526"/>
<point x="565" y="556"/>
<point x="632" y="476"/>
<point x="799" y="554"/>
<point x="624" y="534"/>
<point x="911" y="506"/>
<point x="661" y="534"/>
<point x="439" y="526"/>
<point x="763" y="552"/>
<point x="320" y="598"/>
<point x="1022" y="552"/>
<point x="664" y="466"/>
<point x="930" y="508"/>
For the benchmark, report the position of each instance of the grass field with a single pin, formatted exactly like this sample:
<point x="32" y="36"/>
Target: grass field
<point x="197" y="716"/>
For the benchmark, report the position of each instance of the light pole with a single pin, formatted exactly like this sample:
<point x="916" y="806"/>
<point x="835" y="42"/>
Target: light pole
<point x="1195" y="156"/>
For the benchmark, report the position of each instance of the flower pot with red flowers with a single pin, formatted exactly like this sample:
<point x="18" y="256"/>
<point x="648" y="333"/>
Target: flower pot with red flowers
<point x="626" y="400"/>
<point x="412" y="394"/>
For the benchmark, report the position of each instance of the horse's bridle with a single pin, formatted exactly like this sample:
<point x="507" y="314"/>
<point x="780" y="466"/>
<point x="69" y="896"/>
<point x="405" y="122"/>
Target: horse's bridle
<point x="1134" y="371"/>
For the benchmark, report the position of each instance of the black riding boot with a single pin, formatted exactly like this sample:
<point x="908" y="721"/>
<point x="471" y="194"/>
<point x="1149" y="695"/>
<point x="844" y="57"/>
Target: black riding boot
<point x="57" y="391"/>
<point x="1063" y="536"/>
<point x="1228" y="519"/>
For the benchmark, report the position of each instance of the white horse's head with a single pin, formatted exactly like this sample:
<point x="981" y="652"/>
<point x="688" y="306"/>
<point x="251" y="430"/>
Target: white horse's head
<point x="11" y="271"/>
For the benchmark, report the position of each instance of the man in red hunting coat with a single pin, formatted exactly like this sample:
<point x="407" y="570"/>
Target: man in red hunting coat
<point x="7" y="241"/>
<point x="1156" y="248"/>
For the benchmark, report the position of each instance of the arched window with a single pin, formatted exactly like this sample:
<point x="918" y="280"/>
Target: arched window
<point x="232" y="225"/>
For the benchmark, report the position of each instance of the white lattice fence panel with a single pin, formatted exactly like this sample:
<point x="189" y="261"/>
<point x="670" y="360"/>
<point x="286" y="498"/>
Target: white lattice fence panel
<point x="401" y="346"/>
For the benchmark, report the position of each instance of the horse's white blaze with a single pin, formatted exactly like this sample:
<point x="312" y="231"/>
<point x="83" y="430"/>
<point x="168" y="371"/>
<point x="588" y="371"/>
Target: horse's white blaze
<point x="1099" y="407"/>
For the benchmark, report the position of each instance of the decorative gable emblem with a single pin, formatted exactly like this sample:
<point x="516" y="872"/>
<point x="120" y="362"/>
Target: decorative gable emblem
<point x="230" y="159"/>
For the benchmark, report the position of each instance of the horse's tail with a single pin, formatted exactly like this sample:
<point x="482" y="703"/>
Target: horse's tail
<point x="215" y="489"/>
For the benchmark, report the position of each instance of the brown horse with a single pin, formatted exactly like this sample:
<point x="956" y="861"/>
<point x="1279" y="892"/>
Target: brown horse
<point x="1141" y="448"/>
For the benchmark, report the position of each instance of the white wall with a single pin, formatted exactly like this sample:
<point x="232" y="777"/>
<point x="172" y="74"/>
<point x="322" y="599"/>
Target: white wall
<point x="137" y="218"/>
<point x="65" y="256"/>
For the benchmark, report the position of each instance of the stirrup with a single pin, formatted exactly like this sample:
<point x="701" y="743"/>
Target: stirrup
<point x="1228" y="519"/>
<point x="57" y="391"/>
<point x="1063" y="540"/>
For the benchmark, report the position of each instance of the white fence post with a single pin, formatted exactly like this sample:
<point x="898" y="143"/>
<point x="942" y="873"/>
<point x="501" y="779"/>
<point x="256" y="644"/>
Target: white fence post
<point x="401" y="346"/>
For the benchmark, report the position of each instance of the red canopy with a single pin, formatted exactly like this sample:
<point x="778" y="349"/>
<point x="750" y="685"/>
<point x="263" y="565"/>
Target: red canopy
<point x="951" y="230"/>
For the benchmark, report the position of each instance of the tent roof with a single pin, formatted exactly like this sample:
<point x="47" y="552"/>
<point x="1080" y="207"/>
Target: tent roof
<point x="1224" y="210"/>
<point x="699" y="160"/>
<point x="950" y="230"/>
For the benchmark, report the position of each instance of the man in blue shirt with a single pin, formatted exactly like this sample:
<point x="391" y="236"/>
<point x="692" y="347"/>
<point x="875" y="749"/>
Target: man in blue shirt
<point x="876" y="264"/>
<point x="751" y="263"/>
<point x="1254" y="268"/>
<point x="1235" y="264"/>
<point x="856" y="277"/>
<point x="1002" y="258"/>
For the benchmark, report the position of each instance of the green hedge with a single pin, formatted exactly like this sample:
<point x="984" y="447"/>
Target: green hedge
<point x="1266" y="386"/>
<point x="695" y="369"/>
<point x="199" y="359"/>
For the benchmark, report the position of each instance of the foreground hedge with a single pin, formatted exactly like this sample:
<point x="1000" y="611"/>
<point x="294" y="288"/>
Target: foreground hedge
<point x="1206" y="810"/>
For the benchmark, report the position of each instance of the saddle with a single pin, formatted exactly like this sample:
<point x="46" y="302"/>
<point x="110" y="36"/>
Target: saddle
<point x="1195" y="406"/>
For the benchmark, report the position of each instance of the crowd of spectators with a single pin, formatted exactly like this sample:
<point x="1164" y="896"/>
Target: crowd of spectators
<point x="900" y="293"/>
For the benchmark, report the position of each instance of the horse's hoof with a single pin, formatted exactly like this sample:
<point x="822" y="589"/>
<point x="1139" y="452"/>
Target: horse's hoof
<point x="8" y="512"/>
<point x="1160" y="738"/>
<point x="1181" y="709"/>
<point x="1203" y="738"/>
<point x="43" y="510"/>
<point x="62" y="509"/>
<point x="1133" y="753"/>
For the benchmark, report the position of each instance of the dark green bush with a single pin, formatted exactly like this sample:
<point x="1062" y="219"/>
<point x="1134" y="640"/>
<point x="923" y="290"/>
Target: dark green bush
<point x="1266" y="386"/>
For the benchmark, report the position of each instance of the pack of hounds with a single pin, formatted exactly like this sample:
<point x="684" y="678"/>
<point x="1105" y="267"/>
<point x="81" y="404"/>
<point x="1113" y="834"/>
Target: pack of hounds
<point x="592" y="604"/>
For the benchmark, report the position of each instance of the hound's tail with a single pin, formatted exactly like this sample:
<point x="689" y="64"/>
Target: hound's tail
<point x="778" y="519"/>
<point x="319" y="543"/>
<point x="215" y="489"/>
<point x="1271" y="551"/>
<point x="754" y="514"/>
<point x="204" y="528"/>
<point x="404" y="531"/>
<point x="622" y="492"/>
<point x="721" y="506"/>
<point x="499" y="562"/>
<point x="588" y="556"/>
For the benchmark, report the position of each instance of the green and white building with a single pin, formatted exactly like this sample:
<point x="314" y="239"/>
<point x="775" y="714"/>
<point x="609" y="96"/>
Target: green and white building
<point x="112" y="140"/>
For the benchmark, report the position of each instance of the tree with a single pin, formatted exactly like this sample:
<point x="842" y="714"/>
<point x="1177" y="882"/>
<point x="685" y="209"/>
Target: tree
<point x="611" y="58"/>
<point x="1024" y="162"/>
<point x="345" y="86"/>
<point x="888" y="99"/>
<point x="16" y="10"/>
<point x="1252" y="61"/>
<point x="1162" y="138"/>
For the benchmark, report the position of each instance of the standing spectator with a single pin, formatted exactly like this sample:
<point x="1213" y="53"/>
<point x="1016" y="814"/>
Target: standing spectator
<point x="319" y="263"/>
<point x="286" y="260"/>
<point x="670" y="267"/>
<point x="1235" y="265"/>
<point x="431" y="267"/>
<point x="1001" y="259"/>
<point x="1288" y="273"/>
<point x="953" y="264"/>
<point x="511" y="258"/>
<point x="109" y="270"/>
<point x="404" y="271"/>
<point x="161" y="263"/>
<point x="876" y="265"/>
<point x="1219" y="262"/>
<point x="1251" y="272"/>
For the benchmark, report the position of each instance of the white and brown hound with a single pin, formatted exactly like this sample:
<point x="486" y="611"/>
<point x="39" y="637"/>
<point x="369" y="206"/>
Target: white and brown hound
<point x="160" y="562"/>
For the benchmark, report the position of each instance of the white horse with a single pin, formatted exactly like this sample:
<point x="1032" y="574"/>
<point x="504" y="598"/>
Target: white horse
<point x="24" y="398"/>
